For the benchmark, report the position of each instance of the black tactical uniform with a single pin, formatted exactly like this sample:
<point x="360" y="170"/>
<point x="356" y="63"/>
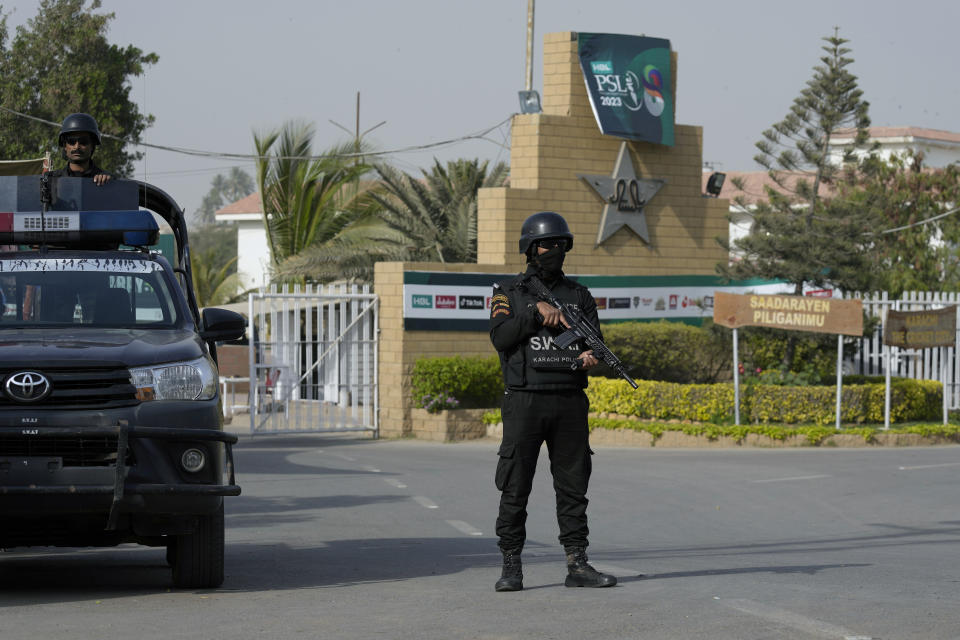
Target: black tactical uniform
<point x="89" y="172"/>
<point x="543" y="401"/>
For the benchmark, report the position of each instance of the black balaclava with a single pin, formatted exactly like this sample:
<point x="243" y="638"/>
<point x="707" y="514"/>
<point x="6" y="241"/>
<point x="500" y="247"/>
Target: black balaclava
<point x="549" y="265"/>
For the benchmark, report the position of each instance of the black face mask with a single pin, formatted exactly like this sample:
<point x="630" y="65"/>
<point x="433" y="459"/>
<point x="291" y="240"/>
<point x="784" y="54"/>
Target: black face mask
<point x="549" y="265"/>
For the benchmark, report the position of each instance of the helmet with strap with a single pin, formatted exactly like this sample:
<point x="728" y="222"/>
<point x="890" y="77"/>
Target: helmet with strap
<point x="79" y="123"/>
<point x="545" y="224"/>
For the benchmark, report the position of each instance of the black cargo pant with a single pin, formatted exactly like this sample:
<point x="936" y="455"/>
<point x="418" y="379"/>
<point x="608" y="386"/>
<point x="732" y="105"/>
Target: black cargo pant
<point x="531" y="418"/>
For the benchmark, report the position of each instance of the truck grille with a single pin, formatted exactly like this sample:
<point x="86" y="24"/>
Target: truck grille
<point x="88" y="386"/>
<point x="76" y="451"/>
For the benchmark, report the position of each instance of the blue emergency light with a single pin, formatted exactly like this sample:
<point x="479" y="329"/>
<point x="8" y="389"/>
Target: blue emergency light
<point x="79" y="228"/>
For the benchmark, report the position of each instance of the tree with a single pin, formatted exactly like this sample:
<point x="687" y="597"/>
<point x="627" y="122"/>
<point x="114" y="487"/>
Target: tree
<point x="59" y="63"/>
<point x="218" y="244"/>
<point x="438" y="214"/>
<point x="321" y="221"/>
<point x="223" y="190"/>
<point x="213" y="283"/>
<point x="798" y="234"/>
<point x="912" y="244"/>
<point x="350" y="255"/>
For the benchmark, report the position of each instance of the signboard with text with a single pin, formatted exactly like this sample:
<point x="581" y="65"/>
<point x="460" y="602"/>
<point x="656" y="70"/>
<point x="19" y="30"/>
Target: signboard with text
<point x="797" y="313"/>
<point x="630" y="85"/>
<point x="921" y="329"/>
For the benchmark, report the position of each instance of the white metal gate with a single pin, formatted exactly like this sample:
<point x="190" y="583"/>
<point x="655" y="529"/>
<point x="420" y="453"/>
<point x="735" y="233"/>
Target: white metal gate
<point x="313" y="355"/>
<point x="939" y="363"/>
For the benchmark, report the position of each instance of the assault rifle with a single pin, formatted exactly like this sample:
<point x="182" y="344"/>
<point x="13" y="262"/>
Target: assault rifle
<point x="579" y="329"/>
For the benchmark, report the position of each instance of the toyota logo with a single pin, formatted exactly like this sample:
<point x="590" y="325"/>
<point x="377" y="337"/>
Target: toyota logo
<point x="27" y="386"/>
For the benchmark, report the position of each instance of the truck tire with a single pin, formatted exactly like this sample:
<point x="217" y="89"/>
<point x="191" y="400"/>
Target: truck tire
<point x="198" y="557"/>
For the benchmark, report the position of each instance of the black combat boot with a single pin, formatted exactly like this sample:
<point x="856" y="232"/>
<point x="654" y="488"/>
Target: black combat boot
<point x="512" y="577"/>
<point x="581" y="574"/>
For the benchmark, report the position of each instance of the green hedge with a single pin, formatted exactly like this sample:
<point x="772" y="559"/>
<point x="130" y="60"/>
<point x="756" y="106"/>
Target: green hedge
<point x="475" y="382"/>
<point x="677" y="352"/>
<point x="669" y="351"/>
<point x="764" y="404"/>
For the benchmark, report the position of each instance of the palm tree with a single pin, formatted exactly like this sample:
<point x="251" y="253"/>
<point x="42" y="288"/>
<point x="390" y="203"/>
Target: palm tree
<point x="350" y="255"/>
<point x="438" y="214"/>
<point x="315" y="210"/>
<point x="213" y="285"/>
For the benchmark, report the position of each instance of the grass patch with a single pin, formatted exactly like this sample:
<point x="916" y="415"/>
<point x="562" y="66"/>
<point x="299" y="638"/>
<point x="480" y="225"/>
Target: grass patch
<point x="813" y="434"/>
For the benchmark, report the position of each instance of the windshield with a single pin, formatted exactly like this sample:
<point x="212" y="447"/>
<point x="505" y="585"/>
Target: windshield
<point x="115" y="291"/>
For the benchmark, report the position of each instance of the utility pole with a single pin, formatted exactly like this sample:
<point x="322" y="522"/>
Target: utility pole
<point x="529" y="85"/>
<point x="356" y="133"/>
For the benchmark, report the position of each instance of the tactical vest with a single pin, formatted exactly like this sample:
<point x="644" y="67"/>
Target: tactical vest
<point x="537" y="363"/>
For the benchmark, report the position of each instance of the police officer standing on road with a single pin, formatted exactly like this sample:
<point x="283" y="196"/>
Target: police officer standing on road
<point x="79" y="137"/>
<point x="543" y="401"/>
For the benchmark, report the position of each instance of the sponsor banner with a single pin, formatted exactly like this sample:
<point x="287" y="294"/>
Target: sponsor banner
<point x="630" y="85"/>
<point x="472" y="302"/>
<point x="421" y="301"/>
<point x="797" y="313"/>
<point x="442" y="301"/>
<point x="921" y="329"/>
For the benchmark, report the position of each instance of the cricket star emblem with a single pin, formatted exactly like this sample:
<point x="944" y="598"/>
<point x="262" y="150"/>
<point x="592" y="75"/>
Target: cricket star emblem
<point x="624" y="195"/>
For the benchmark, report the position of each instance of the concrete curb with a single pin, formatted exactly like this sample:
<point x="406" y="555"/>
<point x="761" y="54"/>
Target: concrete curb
<point x="681" y="440"/>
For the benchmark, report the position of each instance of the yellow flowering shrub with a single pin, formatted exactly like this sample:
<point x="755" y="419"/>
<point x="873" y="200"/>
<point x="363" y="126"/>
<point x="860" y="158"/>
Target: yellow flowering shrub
<point x="765" y="404"/>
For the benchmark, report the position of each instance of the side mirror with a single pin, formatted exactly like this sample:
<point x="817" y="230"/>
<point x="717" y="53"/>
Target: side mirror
<point x="221" y="325"/>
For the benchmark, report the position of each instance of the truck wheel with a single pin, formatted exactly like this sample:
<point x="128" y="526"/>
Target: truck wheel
<point x="198" y="557"/>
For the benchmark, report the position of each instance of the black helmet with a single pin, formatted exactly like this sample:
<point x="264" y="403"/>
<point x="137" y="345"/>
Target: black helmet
<point x="79" y="122"/>
<point x="545" y="224"/>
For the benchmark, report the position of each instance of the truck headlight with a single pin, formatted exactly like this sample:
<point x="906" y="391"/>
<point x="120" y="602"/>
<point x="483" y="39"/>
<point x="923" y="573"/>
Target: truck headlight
<point x="193" y="460"/>
<point x="191" y="380"/>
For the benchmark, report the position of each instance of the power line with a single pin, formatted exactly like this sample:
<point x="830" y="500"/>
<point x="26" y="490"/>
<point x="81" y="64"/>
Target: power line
<point x="917" y="224"/>
<point x="479" y="135"/>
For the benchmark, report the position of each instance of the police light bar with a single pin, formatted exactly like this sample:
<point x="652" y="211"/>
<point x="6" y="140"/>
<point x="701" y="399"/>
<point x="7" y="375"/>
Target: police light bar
<point x="77" y="228"/>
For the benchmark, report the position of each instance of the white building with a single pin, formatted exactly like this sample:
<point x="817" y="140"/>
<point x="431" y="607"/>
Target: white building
<point x="940" y="148"/>
<point x="253" y="253"/>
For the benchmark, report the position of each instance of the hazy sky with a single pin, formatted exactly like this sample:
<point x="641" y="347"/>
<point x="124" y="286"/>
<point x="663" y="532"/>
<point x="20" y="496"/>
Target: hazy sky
<point x="436" y="70"/>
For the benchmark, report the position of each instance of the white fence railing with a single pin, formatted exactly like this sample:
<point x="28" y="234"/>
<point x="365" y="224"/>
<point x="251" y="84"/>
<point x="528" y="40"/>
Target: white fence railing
<point x="313" y="362"/>
<point x="926" y="364"/>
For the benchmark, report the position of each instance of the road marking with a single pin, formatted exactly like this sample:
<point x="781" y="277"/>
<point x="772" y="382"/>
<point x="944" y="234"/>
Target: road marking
<point x="822" y="475"/>
<point x="793" y="619"/>
<point x="929" y="466"/>
<point x="462" y="526"/>
<point x="394" y="482"/>
<point x="345" y="457"/>
<point x="372" y="469"/>
<point x="425" y="502"/>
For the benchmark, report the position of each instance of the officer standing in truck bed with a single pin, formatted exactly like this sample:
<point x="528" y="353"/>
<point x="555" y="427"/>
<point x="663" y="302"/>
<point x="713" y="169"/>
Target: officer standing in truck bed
<point x="79" y="138"/>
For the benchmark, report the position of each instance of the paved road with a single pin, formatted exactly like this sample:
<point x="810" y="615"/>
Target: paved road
<point x="342" y="538"/>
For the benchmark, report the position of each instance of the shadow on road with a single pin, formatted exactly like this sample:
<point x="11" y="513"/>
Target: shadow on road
<point x="892" y="535"/>
<point x="808" y="569"/>
<point x="252" y="511"/>
<point x="70" y="575"/>
<point x="29" y="576"/>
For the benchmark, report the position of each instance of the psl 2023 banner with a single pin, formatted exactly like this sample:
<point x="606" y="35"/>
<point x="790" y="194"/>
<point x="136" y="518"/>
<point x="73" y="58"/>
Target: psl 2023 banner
<point x="630" y="86"/>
